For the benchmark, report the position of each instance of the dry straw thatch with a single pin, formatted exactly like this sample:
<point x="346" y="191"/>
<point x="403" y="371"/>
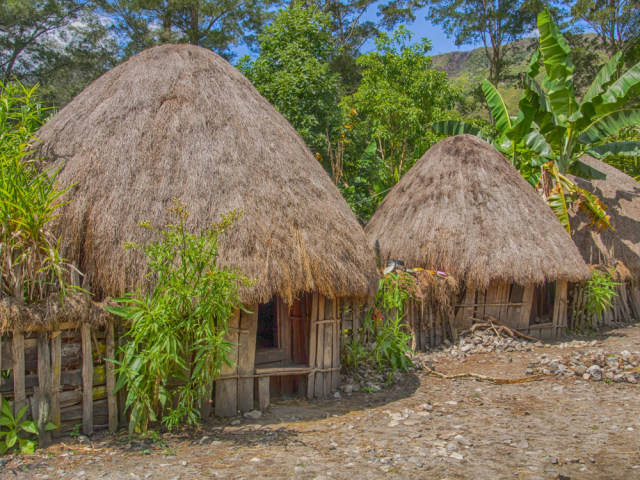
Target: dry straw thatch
<point x="619" y="248"/>
<point x="463" y="208"/>
<point x="180" y="121"/>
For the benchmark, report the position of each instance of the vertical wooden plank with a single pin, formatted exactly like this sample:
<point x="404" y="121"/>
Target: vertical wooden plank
<point x="319" y="387"/>
<point x="87" y="379"/>
<point x="313" y="334"/>
<point x="56" y="369"/>
<point x="284" y="324"/>
<point x="328" y="347"/>
<point x="525" y="312"/>
<point x="246" y="358"/>
<point x="110" y="353"/>
<point x="335" y="375"/>
<point x="17" y="356"/>
<point x="492" y="297"/>
<point x="44" y="386"/>
<point x="263" y="393"/>
<point x="560" y="308"/>
<point x="227" y="389"/>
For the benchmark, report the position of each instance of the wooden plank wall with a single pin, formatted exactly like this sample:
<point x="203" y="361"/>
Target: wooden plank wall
<point x="61" y="375"/>
<point x="324" y="346"/>
<point x="236" y="393"/>
<point x="625" y="308"/>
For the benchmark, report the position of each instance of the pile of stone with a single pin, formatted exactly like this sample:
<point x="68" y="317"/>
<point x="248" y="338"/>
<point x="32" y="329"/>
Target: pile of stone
<point x="597" y="365"/>
<point x="485" y="341"/>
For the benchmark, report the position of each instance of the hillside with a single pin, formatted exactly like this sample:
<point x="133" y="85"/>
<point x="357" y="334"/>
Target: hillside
<point x="468" y="69"/>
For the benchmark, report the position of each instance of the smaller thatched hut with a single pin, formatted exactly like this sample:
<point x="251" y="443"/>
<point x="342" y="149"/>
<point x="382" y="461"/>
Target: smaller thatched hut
<point x="464" y="210"/>
<point x="618" y="249"/>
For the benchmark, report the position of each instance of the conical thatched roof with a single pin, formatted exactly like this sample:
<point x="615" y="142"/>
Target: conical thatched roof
<point x="464" y="209"/>
<point x="179" y="121"/>
<point x="621" y="194"/>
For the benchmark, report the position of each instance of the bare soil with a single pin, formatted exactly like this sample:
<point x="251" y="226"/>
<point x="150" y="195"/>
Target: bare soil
<point x="422" y="427"/>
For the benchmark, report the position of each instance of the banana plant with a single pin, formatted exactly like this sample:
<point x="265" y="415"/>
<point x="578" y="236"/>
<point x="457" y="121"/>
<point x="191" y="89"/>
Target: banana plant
<point x="552" y="129"/>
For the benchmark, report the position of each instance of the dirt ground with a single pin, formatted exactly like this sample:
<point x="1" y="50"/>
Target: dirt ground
<point x="422" y="427"/>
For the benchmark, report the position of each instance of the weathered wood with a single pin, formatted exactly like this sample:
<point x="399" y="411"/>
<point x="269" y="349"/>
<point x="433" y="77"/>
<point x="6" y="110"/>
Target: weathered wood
<point x="112" y="401"/>
<point x="313" y="329"/>
<point x="17" y="356"/>
<point x="227" y="389"/>
<point x="492" y="300"/>
<point x="319" y="376"/>
<point x="525" y="311"/>
<point x="56" y="370"/>
<point x="87" y="380"/>
<point x="246" y="357"/>
<point x="335" y="351"/>
<point x="263" y="393"/>
<point x="44" y="384"/>
<point x="328" y="357"/>
<point x="284" y="330"/>
<point x="560" y="307"/>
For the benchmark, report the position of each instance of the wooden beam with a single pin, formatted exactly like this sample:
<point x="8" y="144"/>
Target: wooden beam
<point x="56" y="370"/>
<point x="312" y="344"/>
<point x="227" y="389"/>
<point x="87" y="380"/>
<point x="17" y="357"/>
<point x="44" y="386"/>
<point x="527" y="303"/>
<point x="110" y="354"/>
<point x="560" y="307"/>
<point x="246" y="357"/>
<point x="319" y="377"/>
<point x="263" y="393"/>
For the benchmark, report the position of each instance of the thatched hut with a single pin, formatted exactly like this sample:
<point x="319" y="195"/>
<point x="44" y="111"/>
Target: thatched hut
<point x="618" y="249"/>
<point x="178" y="121"/>
<point x="464" y="210"/>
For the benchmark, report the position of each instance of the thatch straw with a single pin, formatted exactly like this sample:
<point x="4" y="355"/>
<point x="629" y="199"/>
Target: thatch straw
<point x="50" y="312"/>
<point x="619" y="248"/>
<point x="180" y="121"/>
<point x="465" y="210"/>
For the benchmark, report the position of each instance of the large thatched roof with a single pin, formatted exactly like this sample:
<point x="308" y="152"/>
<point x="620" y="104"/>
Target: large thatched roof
<point x="179" y="121"/>
<point x="464" y="209"/>
<point x="621" y="194"/>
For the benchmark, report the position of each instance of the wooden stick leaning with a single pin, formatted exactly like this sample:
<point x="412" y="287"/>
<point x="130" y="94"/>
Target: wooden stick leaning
<point x="493" y="320"/>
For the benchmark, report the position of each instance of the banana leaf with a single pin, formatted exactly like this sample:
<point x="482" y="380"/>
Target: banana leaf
<point x="582" y="170"/>
<point x="609" y="124"/>
<point x="619" y="148"/>
<point x="456" y="127"/>
<point x="498" y="107"/>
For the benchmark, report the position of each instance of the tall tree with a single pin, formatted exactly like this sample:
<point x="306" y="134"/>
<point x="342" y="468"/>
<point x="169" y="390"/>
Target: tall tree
<point x="293" y="72"/>
<point x="355" y="22"/>
<point x="26" y="26"/>
<point x="494" y="23"/>
<point x="214" y="24"/>
<point x="401" y="93"/>
<point x="616" y="22"/>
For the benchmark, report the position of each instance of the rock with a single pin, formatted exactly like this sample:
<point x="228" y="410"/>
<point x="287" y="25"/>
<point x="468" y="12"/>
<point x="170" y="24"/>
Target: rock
<point x="456" y="455"/>
<point x="586" y="376"/>
<point x="337" y="395"/>
<point x="631" y="378"/>
<point x="595" y="371"/>
<point x="553" y="460"/>
<point x="426" y="407"/>
<point x="235" y="422"/>
<point x="463" y="441"/>
<point x="254" y="414"/>
<point x="183" y="463"/>
<point x="453" y="447"/>
<point x="203" y="439"/>
<point x="255" y="460"/>
<point x="580" y="369"/>
<point x="523" y="444"/>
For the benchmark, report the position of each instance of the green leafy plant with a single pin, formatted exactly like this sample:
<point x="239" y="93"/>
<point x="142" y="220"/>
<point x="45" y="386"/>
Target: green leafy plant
<point x="176" y="343"/>
<point x="30" y="265"/>
<point x="75" y="432"/>
<point x="13" y="430"/>
<point x="383" y="339"/>
<point x="600" y="290"/>
<point x="553" y="129"/>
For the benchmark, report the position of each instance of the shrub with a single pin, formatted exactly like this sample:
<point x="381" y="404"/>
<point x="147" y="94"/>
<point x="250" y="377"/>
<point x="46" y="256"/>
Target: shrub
<point x="176" y="343"/>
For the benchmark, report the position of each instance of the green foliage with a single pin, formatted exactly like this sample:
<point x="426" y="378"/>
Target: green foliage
<point x="382" y="339"/>
<point x="30" y="264"/>
<point x="293" y="72"/>
<point x="600" y="290"/>
<point x="16" y="432"/>
<point x="176" y="344"/>
<point x="399" y="95"/>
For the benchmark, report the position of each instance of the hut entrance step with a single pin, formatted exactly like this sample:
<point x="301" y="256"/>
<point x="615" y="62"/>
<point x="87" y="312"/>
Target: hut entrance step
<point x="280" y="377"/>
